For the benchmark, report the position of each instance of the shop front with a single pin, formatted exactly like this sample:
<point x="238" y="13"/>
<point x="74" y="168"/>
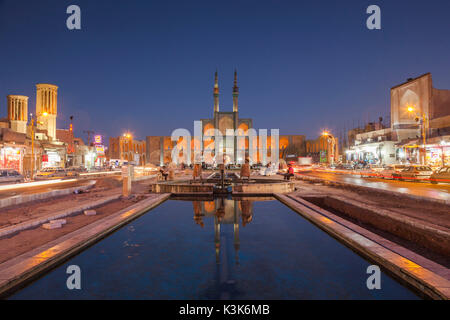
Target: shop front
<point x="89" y="159"/>
<point x="438" y="155"/>
<point x="380" y="153"/>
<point x="435" y="154"/>
<point x="409" y="154"/>
<point x="100" y="159"/>
<point x="11" y="158"/>
<point x="51" y="159"/>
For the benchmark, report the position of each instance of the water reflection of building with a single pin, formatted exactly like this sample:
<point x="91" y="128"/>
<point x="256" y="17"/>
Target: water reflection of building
<point x="224" y="211"/>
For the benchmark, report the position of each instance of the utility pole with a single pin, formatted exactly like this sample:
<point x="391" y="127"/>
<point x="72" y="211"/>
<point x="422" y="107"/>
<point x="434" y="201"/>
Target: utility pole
<point x="71" y="148"/>
<point x="34" y="121"/>
<point x="89" y="132"/>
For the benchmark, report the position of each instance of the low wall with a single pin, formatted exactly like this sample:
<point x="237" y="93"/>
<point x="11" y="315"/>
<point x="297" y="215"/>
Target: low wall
<point x="238" y="189"/>
<point x="181" y="188"/>
<point x="404" y="227"/>
<point x="425" y="281"/>
<point x="264" y="188"/>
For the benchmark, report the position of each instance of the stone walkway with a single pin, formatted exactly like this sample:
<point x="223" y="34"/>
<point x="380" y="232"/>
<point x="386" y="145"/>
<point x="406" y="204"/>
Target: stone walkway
<point x="40" y="209"/>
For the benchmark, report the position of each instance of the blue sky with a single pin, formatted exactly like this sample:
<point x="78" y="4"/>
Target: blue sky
<point x="148" y="66"/>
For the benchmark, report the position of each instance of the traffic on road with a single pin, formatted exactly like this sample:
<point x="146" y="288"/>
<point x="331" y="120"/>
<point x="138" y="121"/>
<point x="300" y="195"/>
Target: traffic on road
<point x="411" y="173"/>
<point x="418" y="187"/>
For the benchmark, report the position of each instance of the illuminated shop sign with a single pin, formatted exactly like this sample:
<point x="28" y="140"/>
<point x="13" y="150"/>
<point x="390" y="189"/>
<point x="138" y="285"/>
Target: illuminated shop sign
<point x="100" y="150"/>
<point x="11" y="158"/>
<point x="98" y="139"/>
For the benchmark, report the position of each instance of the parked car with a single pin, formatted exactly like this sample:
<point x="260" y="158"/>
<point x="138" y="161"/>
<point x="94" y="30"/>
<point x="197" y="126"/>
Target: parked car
<point x="10" y="176"/>
<point x="359" y="166"/>
<point x="416" y="172"/>
<point x="388" y="172"/>
<point x="441" y="176"/>
<point x="344" y="166"/>
<point x="50" y="173"/>
<point x="371" y="171"/>
<point x="75" y="171"/>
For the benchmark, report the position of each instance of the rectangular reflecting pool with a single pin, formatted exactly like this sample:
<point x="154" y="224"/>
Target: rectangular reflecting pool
<point x="221" y="249"/>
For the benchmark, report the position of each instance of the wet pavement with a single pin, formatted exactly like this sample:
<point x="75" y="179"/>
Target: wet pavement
<point x="424" y="189"/>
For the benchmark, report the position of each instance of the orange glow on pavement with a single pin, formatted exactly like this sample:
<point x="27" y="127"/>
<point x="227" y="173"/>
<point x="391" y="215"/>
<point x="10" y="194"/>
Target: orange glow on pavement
<point x="34" y="184"/>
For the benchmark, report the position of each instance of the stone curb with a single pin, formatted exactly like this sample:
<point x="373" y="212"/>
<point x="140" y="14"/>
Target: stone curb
<point x="420" y="225"/>
<point x="371" y="189"/>
<point x="15" y="200"/>
<point x="38" y="221"/>
<point x="424" y="280"/>
<point x="28" y="266"/>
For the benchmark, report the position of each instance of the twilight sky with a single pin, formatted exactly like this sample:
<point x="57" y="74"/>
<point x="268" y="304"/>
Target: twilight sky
<point x="148" y="66"/>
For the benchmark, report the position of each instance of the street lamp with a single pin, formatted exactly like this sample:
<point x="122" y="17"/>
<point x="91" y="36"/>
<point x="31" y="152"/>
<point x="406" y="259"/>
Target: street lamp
<point x="128" y="136"/>
<point x="333" y="143"/>
<point x="33" y="160"/>
<point x="424" y="122"/>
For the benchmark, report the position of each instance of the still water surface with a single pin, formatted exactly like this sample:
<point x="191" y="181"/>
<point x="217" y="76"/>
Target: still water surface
<point x="222" y="249"/>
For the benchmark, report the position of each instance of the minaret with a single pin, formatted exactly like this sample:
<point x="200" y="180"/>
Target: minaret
<point x="216" y="93"/>
<point x="235" y="93"/>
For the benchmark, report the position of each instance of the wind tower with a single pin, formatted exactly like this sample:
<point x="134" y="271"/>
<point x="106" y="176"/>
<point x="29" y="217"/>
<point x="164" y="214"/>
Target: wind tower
<point x="47" y="108"/>
<point x="18" y="112"/>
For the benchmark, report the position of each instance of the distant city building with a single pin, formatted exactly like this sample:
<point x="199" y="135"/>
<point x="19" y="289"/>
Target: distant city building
<point x="321" y="150"/>
<point x="125" y="149"/>
<point x="78" y="153"/>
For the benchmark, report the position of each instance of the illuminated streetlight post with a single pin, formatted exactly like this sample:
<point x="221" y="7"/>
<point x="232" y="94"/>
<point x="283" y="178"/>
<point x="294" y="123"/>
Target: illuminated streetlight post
<point x="128" y="139"/>
<point x="424" y="119"/>
<point x="126" y="170"/>
<point x="333" y="143"/>
<point x="33" y="160"/>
